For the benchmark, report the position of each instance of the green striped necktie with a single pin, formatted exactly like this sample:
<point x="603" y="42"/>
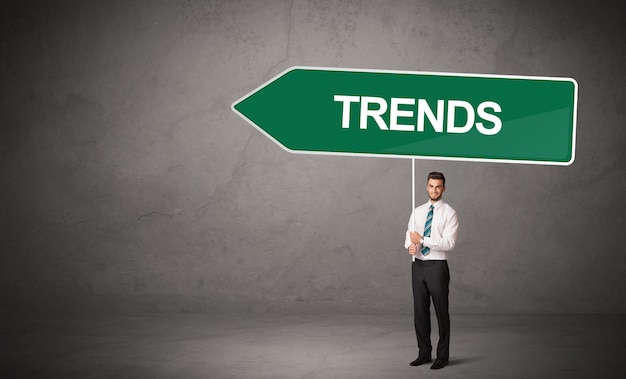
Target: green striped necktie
<point x="429" y="221"/>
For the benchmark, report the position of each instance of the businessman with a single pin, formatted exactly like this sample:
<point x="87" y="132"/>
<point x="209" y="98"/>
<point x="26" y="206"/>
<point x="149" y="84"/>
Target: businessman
<point x="430" y="236"/>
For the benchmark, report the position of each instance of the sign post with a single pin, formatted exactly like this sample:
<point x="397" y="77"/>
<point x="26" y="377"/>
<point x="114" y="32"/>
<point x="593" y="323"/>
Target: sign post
<point x="404" y="114"/>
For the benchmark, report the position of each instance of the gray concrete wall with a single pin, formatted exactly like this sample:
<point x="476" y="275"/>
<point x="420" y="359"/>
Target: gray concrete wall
<point x="127" y="179"/>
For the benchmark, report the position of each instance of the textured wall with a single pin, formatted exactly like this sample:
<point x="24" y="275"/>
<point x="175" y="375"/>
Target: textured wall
<point x="127" y="179"/>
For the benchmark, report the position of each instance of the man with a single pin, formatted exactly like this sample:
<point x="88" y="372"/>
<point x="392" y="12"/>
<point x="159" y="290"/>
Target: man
<point x="430" y="235"/>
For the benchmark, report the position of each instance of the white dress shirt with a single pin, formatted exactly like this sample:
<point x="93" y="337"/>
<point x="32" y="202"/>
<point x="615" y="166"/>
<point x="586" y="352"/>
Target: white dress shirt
<point x="443" y="230"/>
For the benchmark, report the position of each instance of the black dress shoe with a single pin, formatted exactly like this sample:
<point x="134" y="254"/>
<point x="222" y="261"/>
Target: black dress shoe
<point x="420" y="361"/>
<point x="439" y="363"/>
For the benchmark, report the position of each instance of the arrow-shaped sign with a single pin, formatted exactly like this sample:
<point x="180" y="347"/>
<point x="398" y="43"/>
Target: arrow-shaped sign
<point x="468" y="117"/>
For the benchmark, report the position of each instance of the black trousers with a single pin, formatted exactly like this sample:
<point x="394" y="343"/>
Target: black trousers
<point x="431" y="280"/>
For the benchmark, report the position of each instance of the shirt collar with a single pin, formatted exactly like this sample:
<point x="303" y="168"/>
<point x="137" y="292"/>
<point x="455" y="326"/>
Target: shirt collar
<point x="437" y="204"/>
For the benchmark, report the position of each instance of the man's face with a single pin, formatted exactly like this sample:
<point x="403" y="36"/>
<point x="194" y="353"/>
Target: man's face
<point x="435" y="189"/>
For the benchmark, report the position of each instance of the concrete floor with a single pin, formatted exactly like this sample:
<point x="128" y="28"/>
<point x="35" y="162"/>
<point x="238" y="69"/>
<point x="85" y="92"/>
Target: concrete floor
<point x="306" y="346"/>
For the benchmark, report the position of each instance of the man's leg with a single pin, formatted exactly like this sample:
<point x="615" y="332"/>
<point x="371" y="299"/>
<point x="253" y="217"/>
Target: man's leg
<point x="421" y="310"/>
<point x="438" y="280"/>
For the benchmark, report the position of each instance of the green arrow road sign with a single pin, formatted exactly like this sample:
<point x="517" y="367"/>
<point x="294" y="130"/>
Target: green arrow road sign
<point x="466" y="117"/>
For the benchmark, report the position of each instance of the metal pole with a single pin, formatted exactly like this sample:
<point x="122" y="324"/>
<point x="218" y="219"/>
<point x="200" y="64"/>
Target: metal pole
<point x="413" y="191"/>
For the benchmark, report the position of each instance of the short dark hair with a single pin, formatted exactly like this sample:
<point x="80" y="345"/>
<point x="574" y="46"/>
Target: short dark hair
<point x="437" y="176"/>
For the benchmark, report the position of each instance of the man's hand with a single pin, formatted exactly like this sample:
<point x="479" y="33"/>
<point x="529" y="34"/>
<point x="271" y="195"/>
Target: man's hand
<point x="413" y="249"/>
<point x="415" y="238"/>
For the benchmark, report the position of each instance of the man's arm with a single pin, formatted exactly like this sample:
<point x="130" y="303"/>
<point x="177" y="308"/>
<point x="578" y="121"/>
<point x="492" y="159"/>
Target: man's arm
<point x="407" y="238"/>
<point x="448" y="238"/>
<point x="412" y="237"/>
